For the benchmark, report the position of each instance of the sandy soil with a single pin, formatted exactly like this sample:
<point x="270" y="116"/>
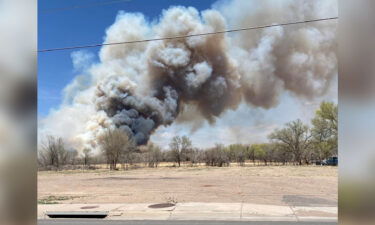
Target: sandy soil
<point x="277" y="185"/>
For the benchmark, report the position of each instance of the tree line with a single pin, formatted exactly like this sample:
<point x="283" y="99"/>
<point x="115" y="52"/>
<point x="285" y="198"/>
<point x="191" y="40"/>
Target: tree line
<point x="295" y="143"/>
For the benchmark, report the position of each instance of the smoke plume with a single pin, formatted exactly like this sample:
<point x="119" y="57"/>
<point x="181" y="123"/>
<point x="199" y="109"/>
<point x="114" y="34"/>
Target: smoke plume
<point x="139" y="87"/>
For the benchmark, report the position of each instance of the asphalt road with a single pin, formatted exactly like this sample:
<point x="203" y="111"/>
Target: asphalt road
<point x="169" y="222"/>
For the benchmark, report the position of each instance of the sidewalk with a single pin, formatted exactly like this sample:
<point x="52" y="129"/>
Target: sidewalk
<point x="199" y="211"/>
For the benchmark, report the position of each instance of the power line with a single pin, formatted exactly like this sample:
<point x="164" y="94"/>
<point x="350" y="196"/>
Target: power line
<point x="185" y="36"/>
<point x="82" y="6"/>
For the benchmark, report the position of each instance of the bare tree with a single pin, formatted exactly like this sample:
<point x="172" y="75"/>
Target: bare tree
<point x="53" y="152"/>
<point x="271" y="153"/>
<point x="115" y="144"/>
<point x="282" y="154"/>
<point x="195" y="156"/>
<point x="186" y="148"/>
<point x="179" y="147"/>
<point x="216" y="156"/>
<point x="43" y="160"/>
<point x="153" y="155"/>
<point x="295" y="137"/>
<point x="86" y="156"/>
<point x="71" y="156"/>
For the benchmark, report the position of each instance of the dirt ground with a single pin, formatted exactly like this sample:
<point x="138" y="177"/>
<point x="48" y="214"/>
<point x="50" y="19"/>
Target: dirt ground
<point x="276" y="185"/>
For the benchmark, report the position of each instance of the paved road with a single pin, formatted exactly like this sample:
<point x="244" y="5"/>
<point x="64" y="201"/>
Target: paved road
<point x="114" y="222"/>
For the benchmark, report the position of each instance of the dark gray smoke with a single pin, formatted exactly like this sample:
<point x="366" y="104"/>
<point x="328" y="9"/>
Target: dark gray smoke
<point x="139" y="87"/>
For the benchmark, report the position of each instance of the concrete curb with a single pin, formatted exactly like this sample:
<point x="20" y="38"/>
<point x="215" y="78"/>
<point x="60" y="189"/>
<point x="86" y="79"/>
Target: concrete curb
<point x="200" y="211"/>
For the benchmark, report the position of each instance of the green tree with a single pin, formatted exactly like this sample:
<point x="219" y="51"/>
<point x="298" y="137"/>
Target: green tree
<point x="295" y="137"/>
<point x="325" y="130"/>
<point x="237" y="152"/>
<point x="265" y="152"/>
<point x="259" y="152"/>
<point x="251" y="152"/>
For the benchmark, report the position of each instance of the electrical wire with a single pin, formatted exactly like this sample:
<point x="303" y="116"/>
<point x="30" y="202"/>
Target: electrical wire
<point x="186" y="36"/>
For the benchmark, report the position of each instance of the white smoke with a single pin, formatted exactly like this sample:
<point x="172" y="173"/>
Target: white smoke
<point x="139" y="87"/>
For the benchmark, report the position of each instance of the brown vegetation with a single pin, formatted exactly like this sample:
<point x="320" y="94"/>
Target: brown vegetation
<point x="295" y="144"/>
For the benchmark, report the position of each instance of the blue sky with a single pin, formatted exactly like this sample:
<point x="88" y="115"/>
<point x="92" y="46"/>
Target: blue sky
<point x="79" y="27"/>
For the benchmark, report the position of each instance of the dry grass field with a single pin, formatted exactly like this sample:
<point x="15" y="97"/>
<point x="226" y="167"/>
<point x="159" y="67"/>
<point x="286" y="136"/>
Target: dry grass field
<point x="276" y="185"/>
